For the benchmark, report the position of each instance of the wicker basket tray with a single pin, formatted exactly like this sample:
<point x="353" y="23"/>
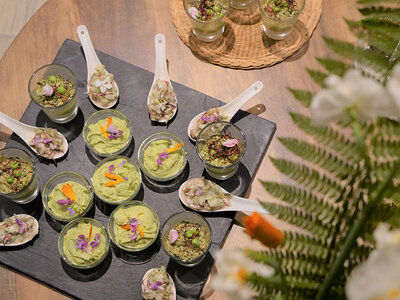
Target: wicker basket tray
<point x="244" y="45"/>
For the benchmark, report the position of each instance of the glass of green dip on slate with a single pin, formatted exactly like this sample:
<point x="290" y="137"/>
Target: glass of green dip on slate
<point x="207" y="18"/>
<point x="83" y="243"/>
<point x="221" y="146"/>
<point x="280" y="16"/>
<point x="67" y="196"/>
<point x="18" y="179"/>
<point x="116" y="179"/>
<point x="240" y="4"/>
<point x="186" y="238"/>
<point x="53" y="87"/>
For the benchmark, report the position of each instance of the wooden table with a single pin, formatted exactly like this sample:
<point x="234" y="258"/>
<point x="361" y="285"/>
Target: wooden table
<point x="126" y="29"/>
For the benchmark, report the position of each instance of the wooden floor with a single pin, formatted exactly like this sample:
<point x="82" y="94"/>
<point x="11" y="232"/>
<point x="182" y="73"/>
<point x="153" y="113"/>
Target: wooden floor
<point x="13" y="16"/>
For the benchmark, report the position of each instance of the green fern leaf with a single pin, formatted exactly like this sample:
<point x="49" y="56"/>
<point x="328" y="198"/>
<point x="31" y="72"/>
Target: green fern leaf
<point x="319" y="156"/>
<point x="377" y="2"/>
<point x="382" y="27"/>
<point x="382" y="13"/>
<point x="334" y="66"/>
<point x="305" y="244"/>
<point x="305" y="97"/>
<point x="318" y="76"/>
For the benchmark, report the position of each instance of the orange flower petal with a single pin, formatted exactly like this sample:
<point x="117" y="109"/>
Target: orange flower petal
<point x="109" y="121"/>
<point x="260" y="229"/>
<point x="127" y="226"/>
<point x="177" y="147"/>
<point x="113" y="176"/>
<point x="112" y="182"/>
<point x="103" y="131"/>
<point x="68" y="192"/>
<point x="140" y="230"/>
<point x="90" y="233"/>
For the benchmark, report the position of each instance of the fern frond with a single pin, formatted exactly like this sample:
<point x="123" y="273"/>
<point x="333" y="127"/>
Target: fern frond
<point x="305" y="244"/>
<point x="377" y="2"/>
<point x="334" y="66"/>
<point x="327" y="136"/>
<point x="318" y="77"/>
<point x="366" y="57"/>
<point x="382" y="13"/>
<point x="382" y="27"/>
<point x="319" y="156"/>
<point x="305" y="97"/>
<point x="324" y="211"/>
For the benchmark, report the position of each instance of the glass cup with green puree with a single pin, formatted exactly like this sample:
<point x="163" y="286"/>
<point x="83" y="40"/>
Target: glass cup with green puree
<point x="107" y="132"/>
<point x="67" y="196"/>
<point x="133" y="226"/>
<point x="162" y="156"/>
<point x="116" y="179"/>
<point x="186" y="238"/>
<point x="240" y="4"/>
<point x="83" y="243"/>
<point x="207" y="18"/>
<point x="18" y="179"/>
<point x="221" y="146"/>
<point x="53" y="88"/>
<point x="280" y="16"/>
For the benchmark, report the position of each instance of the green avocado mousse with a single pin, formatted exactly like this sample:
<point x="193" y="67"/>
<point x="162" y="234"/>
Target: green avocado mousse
<point x="67" y="196"/>
<point x="83" y="243"/>
<point x="116" y="179"/>
<point x="162" y="156"/>
<point x="133" y="226"/>
<point x="107" y="132"/>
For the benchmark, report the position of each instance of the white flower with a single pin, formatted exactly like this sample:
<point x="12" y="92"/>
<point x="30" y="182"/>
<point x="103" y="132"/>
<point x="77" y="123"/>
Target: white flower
<point x="233" y="268"/>
<point x="393" y="84"/>
<point x="47" y="90"/>
<point x="193" y="11"/>
<point x="103" y="85"/>
<point x="379" y="276"/>
<point x="365" y="95"/>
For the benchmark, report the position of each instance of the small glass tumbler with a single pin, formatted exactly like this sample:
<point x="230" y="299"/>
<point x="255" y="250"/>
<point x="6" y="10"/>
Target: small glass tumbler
<point x="240" y="4"/>
<point x="279" y="28"/>
<point x="209" y="30"/>
<point x="58" y="114"/>
<point x="224" y="171"/>
<point x="32" y="188"/>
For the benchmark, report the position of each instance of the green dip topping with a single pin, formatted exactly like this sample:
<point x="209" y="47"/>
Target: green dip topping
<point x="135" y="227"/>
<point x="281" y="9"/>
<point x="117" y="192"/>
<point x="84" y="244"/>
<point x="161" y="163"/>
<point x="106" y="137"/>
<point x="207" y="10"/>
<point x="54" y="91"/>
<point x="202" y="194"/>
<point x="187" y="240"/>
<point x="101" y="86"/>
<point x="15" y="174"/>
<point x="64" y="207"/>
<point x="221" y="150"/>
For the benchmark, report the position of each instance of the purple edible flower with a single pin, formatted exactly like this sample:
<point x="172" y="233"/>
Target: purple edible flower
<point x="162" y="156"/>
<point x="205" y="118"/>
<point x="71" y="211"/>
<point x="113" y="132"/>
<point x="173" y="235"/>
<point x="47" y="90"/>
<point x="22" y="225"/>
<point x="199" y="191"/>
<point x="81" y="242"/>
<point x="133" y="236"/>
<point x="230" y="143"/>
<point x="46" y="141"/>
<point x="96" y="241"/>
<point x="122" y="164"/>
<point x="134" y="224"/>
<point x="65" y="201"/>
<point x="154" y="286"/>
<point x="126" y="178"/>
<point x="111" y="168"/>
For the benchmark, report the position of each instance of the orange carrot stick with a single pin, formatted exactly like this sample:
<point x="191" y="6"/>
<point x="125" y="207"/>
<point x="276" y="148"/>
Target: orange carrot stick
<point x="140" y="230"/>
<point x="112" y="182"/>
<point x="90" y="233"/>
<point x="103" y="131"/>
<point x="113" y="176"/>
<point x="109" y="121"/>
<point x="127" y="226"/>
<point x="177" y="147"/>
<point x="260" y="229"/>
<point x="68" y="192"/>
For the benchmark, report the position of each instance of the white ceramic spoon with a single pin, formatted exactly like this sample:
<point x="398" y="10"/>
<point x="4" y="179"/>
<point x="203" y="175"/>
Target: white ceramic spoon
<point x="237" y="203"/>
<point x="27" y="236"/>
<point x="161" y="71"/>
<point x="92" y="62"/>
<point x="27" y="132"/>
<point x="146" y="276"/>
<point x="231" y="108"/>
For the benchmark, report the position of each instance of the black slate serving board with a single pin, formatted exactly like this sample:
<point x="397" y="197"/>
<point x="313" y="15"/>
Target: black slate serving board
<point x="120" y="275"/>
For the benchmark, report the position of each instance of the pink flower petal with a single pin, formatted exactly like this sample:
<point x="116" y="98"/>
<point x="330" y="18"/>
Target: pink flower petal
<point x="173" y="235"/>
<point x="230" y="143"/>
